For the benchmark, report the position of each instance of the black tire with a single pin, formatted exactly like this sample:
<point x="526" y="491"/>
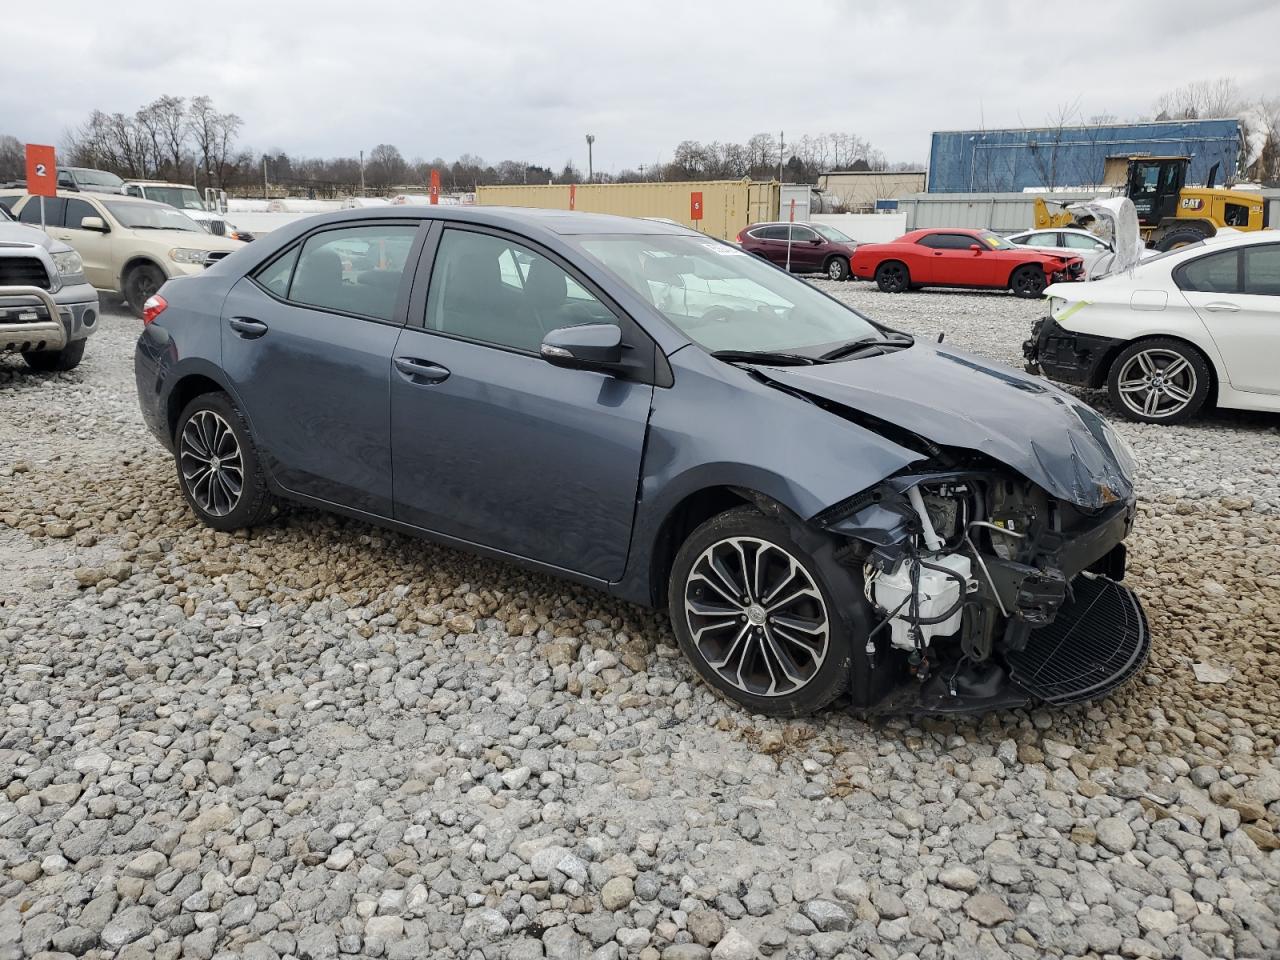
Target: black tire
<point x="822" y="673"/>
<point x="1028" y="281"/>
<point x="140" y="283"/>
<point x="47" y="361"/>
<point x="837" y="269"/>
<point x="892" y="276"/>
<point x="1129" y="383"/>
<point x="253" y="503"/>
<point x="1180" y="237"/>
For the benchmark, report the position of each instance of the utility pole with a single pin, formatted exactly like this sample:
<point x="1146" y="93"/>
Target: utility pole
<point x="590" y="173"/>
<point x="264" y="176"/>
<point x="642" y="171"/>
<point x="362" y="173"/>
<point x="781" y="144"/>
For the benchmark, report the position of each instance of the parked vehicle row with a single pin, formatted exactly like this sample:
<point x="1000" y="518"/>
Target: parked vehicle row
<point x="47" y="306"/>
<point x="128" y="246"/>
<point x="186" y="198"/>
<point x="823" y="504"/>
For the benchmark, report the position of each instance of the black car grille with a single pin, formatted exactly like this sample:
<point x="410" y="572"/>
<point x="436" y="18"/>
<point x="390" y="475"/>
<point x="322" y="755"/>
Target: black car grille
<point x="23" y="272"/>
<point x="217" y="227"/>
<point x="1098" y="641"/>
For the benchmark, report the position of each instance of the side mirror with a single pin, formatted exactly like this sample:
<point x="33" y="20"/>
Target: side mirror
<point x="94" y="223"/>
<point x="975" y="247"/>
<point x="590" y="346"/>
<point x="816" y="241"/>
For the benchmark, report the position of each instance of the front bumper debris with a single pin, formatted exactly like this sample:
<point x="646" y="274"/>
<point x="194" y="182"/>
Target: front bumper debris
<point x="1098" y="642"/>
<point x="1076" y="358"/>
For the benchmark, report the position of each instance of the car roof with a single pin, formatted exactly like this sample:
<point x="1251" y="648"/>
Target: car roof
<point x="561" y="222"/>
<point x="1240" y="238"/>
<point x="158" y="183"/>
<point x="969" y="231"/>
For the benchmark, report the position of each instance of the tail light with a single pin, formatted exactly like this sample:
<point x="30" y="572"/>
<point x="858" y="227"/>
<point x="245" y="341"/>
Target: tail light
<point x="154" y="306"/>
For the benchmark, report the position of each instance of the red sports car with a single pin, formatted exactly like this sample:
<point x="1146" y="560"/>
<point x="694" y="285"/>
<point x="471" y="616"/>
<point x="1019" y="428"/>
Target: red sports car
<point x="954" y="257"/>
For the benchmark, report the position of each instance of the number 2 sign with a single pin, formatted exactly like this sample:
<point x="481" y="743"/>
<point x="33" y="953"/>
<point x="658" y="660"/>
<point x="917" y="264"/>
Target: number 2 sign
<point x="42" y="171"/>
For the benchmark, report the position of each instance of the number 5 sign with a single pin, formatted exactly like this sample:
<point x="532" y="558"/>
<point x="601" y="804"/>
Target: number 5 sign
<point x="42" y="171"/>
<point x="695" y="205"/>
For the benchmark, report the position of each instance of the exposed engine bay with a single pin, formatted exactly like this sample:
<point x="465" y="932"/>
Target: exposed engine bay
<point x="967" y="572"/>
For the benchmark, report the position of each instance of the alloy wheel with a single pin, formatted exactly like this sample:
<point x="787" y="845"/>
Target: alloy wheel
<point x="1157" y="383"/>
<point x="895" y="279"/>
<point x="835" y="271"/>
<point x="756" y="616"/>
<point x="211" y="463"/>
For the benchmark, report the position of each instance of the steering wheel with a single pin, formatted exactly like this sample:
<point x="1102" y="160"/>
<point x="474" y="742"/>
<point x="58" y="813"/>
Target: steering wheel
<point x="719" y="314"/>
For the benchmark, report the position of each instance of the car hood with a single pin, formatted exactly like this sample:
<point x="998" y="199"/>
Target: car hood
<point x="188" y="238"/>
<point x="18" y="234"/>
<point x="954" y="399"/>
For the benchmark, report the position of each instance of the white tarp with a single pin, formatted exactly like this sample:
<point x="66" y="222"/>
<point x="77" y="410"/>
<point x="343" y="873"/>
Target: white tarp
<point x="1117" y="221"/>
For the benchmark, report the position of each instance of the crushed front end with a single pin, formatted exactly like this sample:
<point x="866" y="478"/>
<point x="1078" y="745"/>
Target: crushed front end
<point x="986" y="591"/>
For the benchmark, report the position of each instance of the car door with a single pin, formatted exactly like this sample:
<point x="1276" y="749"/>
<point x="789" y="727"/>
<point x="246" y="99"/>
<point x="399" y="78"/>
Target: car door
<point x="94" y="246"/>
<point x="1236" y="293"/>
<point x="950" y="261"/>
<point x="773" y="244"/>
<point x="307" y="343"/>
<point x="492" y="444"/>
<point x="806" y="255"/>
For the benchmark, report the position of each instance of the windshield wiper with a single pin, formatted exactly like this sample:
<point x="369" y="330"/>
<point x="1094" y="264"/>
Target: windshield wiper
<point x="764" y="356"/>
<point x="867" y="343"/>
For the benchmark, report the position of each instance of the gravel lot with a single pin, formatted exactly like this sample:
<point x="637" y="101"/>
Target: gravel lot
<point x="327" y="739"/>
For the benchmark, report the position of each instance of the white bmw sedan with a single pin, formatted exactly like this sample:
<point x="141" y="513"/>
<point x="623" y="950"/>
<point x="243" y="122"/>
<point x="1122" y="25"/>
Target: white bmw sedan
<point x="1199" y="324"/>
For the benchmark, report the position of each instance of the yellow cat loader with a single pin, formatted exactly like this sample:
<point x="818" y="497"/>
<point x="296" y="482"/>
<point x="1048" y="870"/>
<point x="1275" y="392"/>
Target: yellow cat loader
<point x="1171" y="214"/>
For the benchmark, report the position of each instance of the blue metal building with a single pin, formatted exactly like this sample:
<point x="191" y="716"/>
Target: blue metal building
<point x="1009" y="161"/>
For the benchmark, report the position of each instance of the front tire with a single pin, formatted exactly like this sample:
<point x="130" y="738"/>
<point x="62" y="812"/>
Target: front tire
<point x="753" y="612"/>
<point x="219" y="469"/>
<point x="893" y="277"/>
<point x="1160" y="380"/>
<point x="1028" y="281"/>
<point x="140" y="283"/>
<point x="837" y="269"/>
<point x="49" y="361"/>
<point x="1180" y="237"/>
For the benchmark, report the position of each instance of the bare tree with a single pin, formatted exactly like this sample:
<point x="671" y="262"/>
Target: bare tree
<point x="12" y="158"/>
<point x="1201" y="99"/>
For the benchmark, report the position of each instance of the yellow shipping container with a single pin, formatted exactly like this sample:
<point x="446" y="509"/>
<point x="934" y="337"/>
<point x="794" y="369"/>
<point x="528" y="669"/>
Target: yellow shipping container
<point x="727" y="205"/>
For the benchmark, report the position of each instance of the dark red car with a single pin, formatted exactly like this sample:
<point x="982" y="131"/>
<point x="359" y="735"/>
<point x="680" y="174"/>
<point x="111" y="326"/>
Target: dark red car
<point x="815" y="247"/>
<point x="954" y="257"/>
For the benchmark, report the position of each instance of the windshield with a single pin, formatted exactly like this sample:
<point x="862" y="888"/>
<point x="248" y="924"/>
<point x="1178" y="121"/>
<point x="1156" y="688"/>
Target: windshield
<point x="97" y="178"/>
<point x="184" y="198"/>
<point x="831" y="233"/>
<point x="151" y="216"/>
<point x="995" y="241"/>
<point x="5" y="214"/>
<point x="725" y="299"/>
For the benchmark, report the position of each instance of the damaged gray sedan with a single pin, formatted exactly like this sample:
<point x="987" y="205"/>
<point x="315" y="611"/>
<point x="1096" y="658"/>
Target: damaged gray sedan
<point x="826" y="506"/>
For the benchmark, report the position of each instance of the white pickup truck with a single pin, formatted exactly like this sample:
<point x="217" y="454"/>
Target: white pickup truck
<point x="47" y="308"/>
<point x="187" y="199"/>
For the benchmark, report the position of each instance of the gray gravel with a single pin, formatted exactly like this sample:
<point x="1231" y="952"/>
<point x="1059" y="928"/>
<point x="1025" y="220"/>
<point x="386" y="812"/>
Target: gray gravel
<point x="326" y="740"/>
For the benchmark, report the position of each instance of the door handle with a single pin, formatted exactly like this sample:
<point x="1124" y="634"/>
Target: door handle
<point x="1221" y="306"/>
<point x="247" y="327"/>
<point x="420" y="371"/>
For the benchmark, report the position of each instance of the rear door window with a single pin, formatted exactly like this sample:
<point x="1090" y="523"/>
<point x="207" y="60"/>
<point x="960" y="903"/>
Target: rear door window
<point x="353" y="270"/>
<point x="948" y="241"/>
<point x="276" y="275"/>
<point x="54" y="211"/>
<point x="1262" y="270"/>
<point x="1216" y="273"/>
<point x="1077" y="241"/>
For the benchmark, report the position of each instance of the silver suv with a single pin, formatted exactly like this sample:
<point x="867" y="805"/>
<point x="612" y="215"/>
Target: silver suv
<point x="47" y="308"/>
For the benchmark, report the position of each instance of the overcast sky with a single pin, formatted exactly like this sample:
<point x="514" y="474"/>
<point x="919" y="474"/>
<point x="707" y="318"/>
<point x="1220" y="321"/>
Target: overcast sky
<point x="528" y="80"/>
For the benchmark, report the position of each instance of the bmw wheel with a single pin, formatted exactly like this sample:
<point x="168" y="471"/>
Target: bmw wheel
<point x="752" y="612"/>
<point x="218" y="465"/>
<point x="1159" y="381"/>
<point x="893" y="277"/>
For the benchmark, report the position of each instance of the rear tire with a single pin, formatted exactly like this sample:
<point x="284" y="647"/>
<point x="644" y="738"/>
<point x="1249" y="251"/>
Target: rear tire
<point x="837" y="268"/>
<point x="140" y="283"/>
<point x="219" y="469"/>
<point x="1180" y="237"/>
<point x="48" y="361"/>
<point x="892" y="276"/>
<point x="785" y="660"/>
<point x="1028" y="281"/>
